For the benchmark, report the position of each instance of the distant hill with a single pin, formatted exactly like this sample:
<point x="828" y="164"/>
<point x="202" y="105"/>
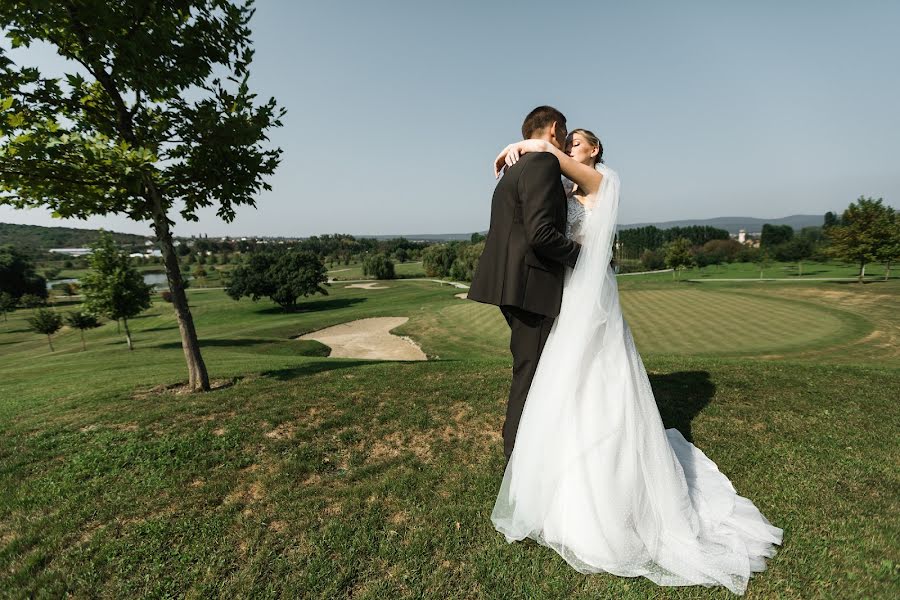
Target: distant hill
<point x="36" y="238"/>
<point x="734" y="224"/>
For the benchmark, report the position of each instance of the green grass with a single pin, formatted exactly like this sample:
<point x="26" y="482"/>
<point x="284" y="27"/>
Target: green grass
<point x="302" y="476"/>
<point x="776" y="270"/>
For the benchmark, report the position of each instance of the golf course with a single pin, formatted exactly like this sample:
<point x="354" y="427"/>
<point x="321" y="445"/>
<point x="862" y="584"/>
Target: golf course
<point x="306" y="476"/>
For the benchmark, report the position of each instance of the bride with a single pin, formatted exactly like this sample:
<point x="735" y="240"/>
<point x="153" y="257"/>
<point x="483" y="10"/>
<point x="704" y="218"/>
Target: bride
<point x="594" y="474"/>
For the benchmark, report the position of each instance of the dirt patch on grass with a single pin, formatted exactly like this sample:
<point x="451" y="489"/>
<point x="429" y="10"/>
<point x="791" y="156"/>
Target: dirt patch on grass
<point x="282" y="431"/>
<point x="278" y="526"/>
<point x="462" y="296"/>
<point x="90" y="529"/>
<point x="368" y="338"/>
<point x="396" y="443"/>
<point x="248" y="494"/>
<point x="117" y="426"/>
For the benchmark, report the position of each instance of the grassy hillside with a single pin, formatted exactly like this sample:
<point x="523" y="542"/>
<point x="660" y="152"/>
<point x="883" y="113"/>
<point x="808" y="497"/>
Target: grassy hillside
<point x="34" y="238"/>
<point x="304" y="476"/>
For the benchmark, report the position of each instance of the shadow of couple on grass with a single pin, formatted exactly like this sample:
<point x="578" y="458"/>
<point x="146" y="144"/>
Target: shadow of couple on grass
<point x="680" y="396"/>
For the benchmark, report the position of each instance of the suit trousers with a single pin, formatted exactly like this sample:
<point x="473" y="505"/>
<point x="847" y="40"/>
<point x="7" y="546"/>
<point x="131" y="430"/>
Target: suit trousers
<point x="528" y="333"/>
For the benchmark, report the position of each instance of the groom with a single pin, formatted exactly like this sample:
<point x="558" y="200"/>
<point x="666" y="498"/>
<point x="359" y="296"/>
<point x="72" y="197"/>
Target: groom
<point x="521" y="268"/>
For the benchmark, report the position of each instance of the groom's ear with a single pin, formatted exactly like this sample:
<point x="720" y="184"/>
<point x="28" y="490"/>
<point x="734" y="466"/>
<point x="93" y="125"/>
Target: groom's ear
<point x="558" y="133"/>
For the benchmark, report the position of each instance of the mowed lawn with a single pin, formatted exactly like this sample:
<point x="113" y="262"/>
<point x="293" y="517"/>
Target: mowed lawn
<point x="303" y="476"/>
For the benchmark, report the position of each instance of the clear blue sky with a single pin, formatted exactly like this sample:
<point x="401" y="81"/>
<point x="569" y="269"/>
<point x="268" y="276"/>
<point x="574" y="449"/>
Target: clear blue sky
<point x="717" y="108"/>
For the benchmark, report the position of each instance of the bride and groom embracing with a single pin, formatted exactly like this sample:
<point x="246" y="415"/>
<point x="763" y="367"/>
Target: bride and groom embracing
<point x="591" y="470"/>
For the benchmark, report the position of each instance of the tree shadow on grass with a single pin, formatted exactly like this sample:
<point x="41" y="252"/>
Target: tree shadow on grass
<point x="220" y="343"/>
<point x="160" y="328"/>
<point x="680" y="397"/>
<point x="313" y="367"/>
<point x="313" y="306"/>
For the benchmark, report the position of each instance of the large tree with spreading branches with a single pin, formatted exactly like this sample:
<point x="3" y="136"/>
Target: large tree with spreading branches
<point x="156" y="112"/>
<point x="863" y="234"/>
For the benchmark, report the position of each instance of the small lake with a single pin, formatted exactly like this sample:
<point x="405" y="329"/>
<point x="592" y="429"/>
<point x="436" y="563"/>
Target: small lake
<point x="157" y="280"/>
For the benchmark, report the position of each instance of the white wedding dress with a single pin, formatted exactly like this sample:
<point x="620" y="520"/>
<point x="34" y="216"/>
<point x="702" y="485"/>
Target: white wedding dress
<point x="594" y="474"/>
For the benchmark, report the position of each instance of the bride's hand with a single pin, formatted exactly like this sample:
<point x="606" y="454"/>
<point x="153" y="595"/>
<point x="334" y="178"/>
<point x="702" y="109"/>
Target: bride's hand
<point x="510" y="155"/>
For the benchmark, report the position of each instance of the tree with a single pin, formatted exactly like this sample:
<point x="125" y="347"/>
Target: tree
<point x="830" y="220"/>
<point x="113" y="287"/>
<point x="864" y="231"/>
<point x="762" y="260"/>
<point x="466" y="261"/>
<point x="282" y="275"/>
<point x="45" y="321"/>
<point x="889" y="250"/>
<point x="437" y="260"/>
<point x="678" y="255"/>
<point x="142" y="125"/>
<point x="477" y="237"/>
<point x="199" y="274"/>
<point x="32" y="301"/>
<point x="82" y="320"/>
<point x="653" y="260"/>
<point x="401" y="255"/>
<point x="723" y="250"/>
<point x="17" y="274"/>
<point x="796" y="250"/>
<point x="7" y="303"/>
<point x="773" y="235"/>
<point x="378" y="266"/>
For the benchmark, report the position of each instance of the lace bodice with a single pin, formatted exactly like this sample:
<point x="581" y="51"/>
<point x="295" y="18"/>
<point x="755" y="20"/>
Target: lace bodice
<point x="575" y="216"/>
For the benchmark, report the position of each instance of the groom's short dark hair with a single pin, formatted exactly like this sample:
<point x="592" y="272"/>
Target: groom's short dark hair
<point x="539" y="118"/>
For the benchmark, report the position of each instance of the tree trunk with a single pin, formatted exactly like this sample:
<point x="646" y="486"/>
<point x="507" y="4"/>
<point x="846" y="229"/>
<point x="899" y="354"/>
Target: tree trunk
<point x="83" y="347"/>
<point x="128" y="335"/>
<point x="800" y="267"/>
<point x="49" y="341"/>
<point x="198" y="378"/>
<point x="862" y="270"/>
<point x="887" y="272"/>
<point x="118" y="328"/>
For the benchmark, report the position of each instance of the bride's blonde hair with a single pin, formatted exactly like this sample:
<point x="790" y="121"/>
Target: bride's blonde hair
<point x="593" y="140"/>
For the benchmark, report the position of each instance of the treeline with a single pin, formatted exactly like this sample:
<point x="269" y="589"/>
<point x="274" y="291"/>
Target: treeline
<point x="867" y="231"/>
<point x="456" y="260"/>
<point x="338" y="248"/>
<point x="633" y="242"/>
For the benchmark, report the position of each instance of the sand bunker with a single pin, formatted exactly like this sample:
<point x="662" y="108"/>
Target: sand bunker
<point x="368" y="338"/>
<point x="367" y="286"/>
